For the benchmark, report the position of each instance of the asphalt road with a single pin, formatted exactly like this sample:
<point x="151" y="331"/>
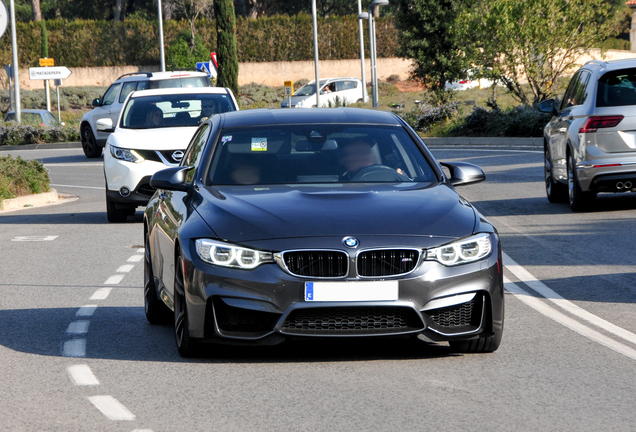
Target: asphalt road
<point x="76" y="352"/>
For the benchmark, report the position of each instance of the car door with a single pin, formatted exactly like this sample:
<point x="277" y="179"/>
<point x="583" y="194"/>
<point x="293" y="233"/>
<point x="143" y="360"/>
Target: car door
<point x="172" y="210"/>
<point x="348" y="91"/>
<point x="109" y="108"/>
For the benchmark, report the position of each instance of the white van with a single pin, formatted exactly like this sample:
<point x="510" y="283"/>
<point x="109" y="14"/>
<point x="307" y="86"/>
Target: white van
<point x="333" y="92"/>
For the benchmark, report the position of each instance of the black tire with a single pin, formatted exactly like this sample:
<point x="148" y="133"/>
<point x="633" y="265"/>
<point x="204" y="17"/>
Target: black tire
<point x="578" y="199"/>
<point x="556" y="192"/>
<point x="186" y="345"/>
<point x="89" y="145"/>
<point x="157" y="313"/>
<point x="113" y="213"/>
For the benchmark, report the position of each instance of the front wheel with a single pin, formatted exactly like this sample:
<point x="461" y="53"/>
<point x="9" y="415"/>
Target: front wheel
<point x="186" y="345"/>
<point x="579" y="200"/>
<point x="113" y="213"/>
<point x="89" y="144"/>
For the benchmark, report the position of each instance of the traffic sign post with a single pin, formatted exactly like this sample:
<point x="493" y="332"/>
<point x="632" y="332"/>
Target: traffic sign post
<point x="289" y="90"/>
<point x="9" y="70"/>
<point x="58" y="83"/>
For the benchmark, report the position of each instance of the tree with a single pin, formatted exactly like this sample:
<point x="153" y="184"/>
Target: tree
<point x="35" y="9"/>
<point x="191" y="10"/>
<point x="429" y="36"/>
<point x="179" y="56"/>
<point x="536" y="41"/>
<point x="226" y="45"/>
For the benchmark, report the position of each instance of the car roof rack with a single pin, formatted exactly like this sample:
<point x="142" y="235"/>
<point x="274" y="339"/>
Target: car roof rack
<point x="148" y="74"/>
<point x="598" y="62"/>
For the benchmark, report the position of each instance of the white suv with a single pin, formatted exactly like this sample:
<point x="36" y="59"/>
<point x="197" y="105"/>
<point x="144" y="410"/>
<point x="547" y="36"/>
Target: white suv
<point x="333" y="92"/>
<point x="111" y="103"/>
<point x="154" y="129"/>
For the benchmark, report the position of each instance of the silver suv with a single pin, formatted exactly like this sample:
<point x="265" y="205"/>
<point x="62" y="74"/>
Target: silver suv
<point x="110" y="105"/>
<point x="590" y="142"/>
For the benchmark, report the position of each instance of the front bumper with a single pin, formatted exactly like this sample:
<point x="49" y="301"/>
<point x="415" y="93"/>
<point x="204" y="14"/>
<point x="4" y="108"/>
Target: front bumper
<point x="267" y="305"/>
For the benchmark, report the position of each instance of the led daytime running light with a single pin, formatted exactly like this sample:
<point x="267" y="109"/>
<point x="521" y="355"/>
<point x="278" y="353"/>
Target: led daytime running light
<point x="464" y="251"/>
<point x="227" y="255"/>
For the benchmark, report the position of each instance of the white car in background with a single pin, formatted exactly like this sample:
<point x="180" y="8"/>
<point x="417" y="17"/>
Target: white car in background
<point x="153" y="130"/>
<point x="110" y="105"/>
<point x="470" y="82"/>
<point x="333" y="92"/>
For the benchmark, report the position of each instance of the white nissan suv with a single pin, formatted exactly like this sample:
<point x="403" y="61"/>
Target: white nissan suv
<point x="153" y="130"/>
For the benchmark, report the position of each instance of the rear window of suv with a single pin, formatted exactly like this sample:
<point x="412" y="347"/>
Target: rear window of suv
<point x="617" y="88"/>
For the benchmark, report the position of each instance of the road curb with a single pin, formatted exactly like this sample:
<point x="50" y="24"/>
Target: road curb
<point x="43" y="146"/>
<point x="29" y="200"/>
<point x="484" y="141"/>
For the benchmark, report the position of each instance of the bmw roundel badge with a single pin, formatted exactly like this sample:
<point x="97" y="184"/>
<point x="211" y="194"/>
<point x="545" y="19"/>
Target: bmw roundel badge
<point x="351" y="242"/>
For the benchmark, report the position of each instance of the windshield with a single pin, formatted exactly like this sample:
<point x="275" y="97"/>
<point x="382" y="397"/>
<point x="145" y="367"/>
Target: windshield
<point x="308" y="89"/>
<point x="173" y="110"/>
<point x="310" y="154"/>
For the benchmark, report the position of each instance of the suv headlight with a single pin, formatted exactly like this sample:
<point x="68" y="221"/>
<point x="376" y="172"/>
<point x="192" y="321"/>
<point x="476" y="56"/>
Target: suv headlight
<point x="463" y="251"/>
<point x="227" y="255"/>
<point x="125" y="154"/>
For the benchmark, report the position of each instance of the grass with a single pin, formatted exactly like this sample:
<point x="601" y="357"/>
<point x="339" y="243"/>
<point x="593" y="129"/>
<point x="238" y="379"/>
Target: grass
<point x="20" y="177"/>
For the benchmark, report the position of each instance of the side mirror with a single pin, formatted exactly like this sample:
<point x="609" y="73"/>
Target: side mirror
<point x="464" y="173"/>
<point x="548" y="106"/>
<point x="96" y="102"/>
<point x="172" y="179"/>
<point x="104" y="125"/>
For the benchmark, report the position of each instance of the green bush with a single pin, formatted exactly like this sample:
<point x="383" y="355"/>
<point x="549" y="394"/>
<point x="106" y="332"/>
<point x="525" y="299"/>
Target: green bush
<point x="260" y="96"/>
<point x="518" y="121"/>
<point x="13" y="134"/>
<point x="21" y="177"/>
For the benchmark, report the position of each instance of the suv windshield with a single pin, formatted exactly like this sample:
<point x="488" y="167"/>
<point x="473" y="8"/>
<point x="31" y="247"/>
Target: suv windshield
<point x="308" y="89"/>
<point x="310" y="154"/>
<point x="173" y="110"/>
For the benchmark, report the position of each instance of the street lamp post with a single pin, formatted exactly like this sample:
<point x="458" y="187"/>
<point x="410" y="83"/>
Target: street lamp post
<point x="16" y="66"/>
<point x="315" y="22"/>
<point x="365" y="98"/>
<point x="161" y="54"/>
<point x="372" y="47"/>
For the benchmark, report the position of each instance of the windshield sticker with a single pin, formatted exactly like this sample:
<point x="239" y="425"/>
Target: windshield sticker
<point x="259" y="144"/>
<point x="226" y="138"/>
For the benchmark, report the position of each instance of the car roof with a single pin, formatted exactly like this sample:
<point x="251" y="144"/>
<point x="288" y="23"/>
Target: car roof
<point x="156" y="76"/>
<point x="282" y="116"/>
<point x="334" y="79"/>
<point x="179" y="90"/>
<point x="610" y="64"/>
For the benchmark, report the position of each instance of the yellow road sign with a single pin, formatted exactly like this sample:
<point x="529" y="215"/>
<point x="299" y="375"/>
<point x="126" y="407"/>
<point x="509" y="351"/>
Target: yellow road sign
<point x="289" y="88"/>
<point x="47" y="62"/>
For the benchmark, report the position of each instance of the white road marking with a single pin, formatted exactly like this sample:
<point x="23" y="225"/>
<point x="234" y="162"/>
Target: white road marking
<point x="142" y="430"/>
<point x="64" y="164"/>
<point x="79" y="187"/>
<point x="86" y="311"/>
<point x="82" y="375"/>
<point x="141" y="250"/>
<point x="114" y="280"/>
<point x="74" y="348"/>
<point x="101" y="294"/>
<point x="135" y="258"/>
<point x="34" y="238"/>
<point x="463" y="149"/>
<point x="538" y="305"/>
<point x="567" y="305"/>
<point x="78" y="327"/>
<point x="125" y="268"/>
<point x="111" y="408"/>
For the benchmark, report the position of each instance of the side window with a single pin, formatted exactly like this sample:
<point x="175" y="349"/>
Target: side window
<point x="576" y="92"/>
<point x="126" y="89"/>
<point x="194" y="151"/>
<point x="111" y="93"/>
<point x="347" y="85"/>
<point x="143" y="85"/>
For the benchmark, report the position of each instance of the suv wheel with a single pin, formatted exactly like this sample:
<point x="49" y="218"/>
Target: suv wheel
<point x="89" y="145"/>
<point x="579" y="200"/>
<point x="555" y="191"/>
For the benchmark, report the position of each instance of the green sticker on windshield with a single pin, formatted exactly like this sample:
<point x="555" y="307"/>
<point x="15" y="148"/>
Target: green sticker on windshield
<point x="259" y="144"/>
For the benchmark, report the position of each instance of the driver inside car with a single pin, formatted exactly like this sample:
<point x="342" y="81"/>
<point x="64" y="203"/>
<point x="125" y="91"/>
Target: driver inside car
<point x="359" y="154"/>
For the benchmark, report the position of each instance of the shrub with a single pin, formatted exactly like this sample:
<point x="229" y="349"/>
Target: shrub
<point x="518" y="121"/>
<point x="13" y="134"/>
<point x="260" y="96"/>
<point x="422" y="117"/>
<point x="21" y="177"/>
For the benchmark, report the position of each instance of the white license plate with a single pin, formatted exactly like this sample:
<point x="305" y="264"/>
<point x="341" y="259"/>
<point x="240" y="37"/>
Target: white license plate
<point x="351" y="291"/>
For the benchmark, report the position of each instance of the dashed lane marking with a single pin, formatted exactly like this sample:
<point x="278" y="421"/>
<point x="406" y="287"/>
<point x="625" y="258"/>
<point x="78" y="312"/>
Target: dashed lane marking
<point x="125" y="268"/>
<point x="102" y="293"/>
<point x="82" y="375"/>
<point x="74" y="348"/>
<point x="78" y="327"/>
<point x="111" y="408"/>
<point x="135" y="258"/>
<point x="86" y="311"/>
<point x="114" y="280"/>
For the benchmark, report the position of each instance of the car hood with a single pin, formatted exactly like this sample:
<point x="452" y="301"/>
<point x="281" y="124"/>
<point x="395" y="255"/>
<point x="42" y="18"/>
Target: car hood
<point x="242" y="214"/>
<point x="152" y="139"/>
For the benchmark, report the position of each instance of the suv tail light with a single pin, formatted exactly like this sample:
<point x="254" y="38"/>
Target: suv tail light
<point x="600" y="122"/>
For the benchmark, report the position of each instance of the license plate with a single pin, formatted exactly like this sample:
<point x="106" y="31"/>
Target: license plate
<point x="351" y="291"/>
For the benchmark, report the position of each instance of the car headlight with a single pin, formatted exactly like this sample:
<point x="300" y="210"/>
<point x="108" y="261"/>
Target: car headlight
<point x="125" y="154"/>
<point x="463" y="251"/>
<point x="227" y="255"/>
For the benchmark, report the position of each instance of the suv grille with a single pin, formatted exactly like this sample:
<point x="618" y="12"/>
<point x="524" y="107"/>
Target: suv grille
<point x="352" y="320"/>
<point x="321" y="264"/>
<point x="392" y="262"/>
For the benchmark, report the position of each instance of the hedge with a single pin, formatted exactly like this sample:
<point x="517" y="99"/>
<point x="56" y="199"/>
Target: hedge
<point x="83" y="43"/>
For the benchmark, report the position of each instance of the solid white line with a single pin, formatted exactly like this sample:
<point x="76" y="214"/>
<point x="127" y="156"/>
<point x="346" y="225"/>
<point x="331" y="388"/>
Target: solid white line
<point x="79" y="187"/>
<point x="114" y="280"/>
<point x="74" y="348"/>
<point x="111" y="408"/>
<point x="78" y="327"/>
<point x="568" y="322"/>
<point x="567" y="305"/>
<point x="432" y="147"/>
<point x="82" y="375"/>
<point x="125" y="268"/>
<point x="86" y="311"/>
<point x="135" y="258"/>
<point x="65" y="164"/>
<point x="101" y="294"/>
